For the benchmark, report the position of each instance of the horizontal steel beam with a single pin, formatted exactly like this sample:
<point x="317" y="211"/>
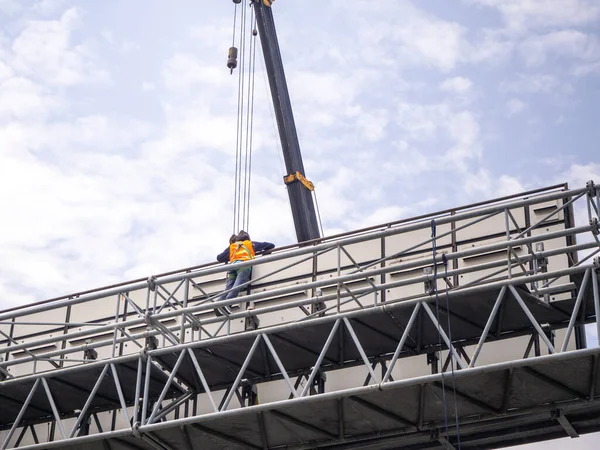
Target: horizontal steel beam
<point x="389" y="305"/>
<point x="428" y="379"/>
<point x="276" y="292"/>
<point x="297" y="252"/>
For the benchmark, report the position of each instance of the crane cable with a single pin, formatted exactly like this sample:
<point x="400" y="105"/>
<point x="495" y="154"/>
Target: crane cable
<point x="434" y="289"/>
<point x="245" y="120"/>
<point x="245" y="107"/>
<point x="239" y="118"/>
<point x="249" y="125"/>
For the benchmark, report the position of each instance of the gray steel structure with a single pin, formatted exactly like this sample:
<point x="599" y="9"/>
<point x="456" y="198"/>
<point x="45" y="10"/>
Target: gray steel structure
<point x="357" y="312"/>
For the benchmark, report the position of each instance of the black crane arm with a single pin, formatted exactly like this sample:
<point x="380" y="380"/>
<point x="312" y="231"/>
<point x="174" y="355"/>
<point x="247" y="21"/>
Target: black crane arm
<point x="298" y="187"/>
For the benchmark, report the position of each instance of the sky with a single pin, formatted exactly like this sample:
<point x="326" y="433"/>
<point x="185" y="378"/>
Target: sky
<point x="118" y="124"/>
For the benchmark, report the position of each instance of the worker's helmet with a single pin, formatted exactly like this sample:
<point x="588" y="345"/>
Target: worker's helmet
<point x="243" y="236"/>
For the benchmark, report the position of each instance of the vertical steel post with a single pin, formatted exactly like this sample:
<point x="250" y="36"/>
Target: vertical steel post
<point x="576" y="309"/>
<point x="114" y="343"/>
<point x="145" y="399"/>
<point x="339" y="268"/>
<point x="138" y="388"/>
<point x="186" y="293"/>
<point x="596" y="300"/>
<point x="508" y="249"/>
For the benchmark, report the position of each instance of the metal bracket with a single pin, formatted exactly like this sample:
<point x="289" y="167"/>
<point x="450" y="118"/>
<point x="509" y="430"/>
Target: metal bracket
<point x="596" y="264"/>
<point x="541" y="261"/>
<point x="319" y="382"/>
<point x="319" y="306"/>
<point x="249" y="393"/>
<point x="591" y="187"/>
<point x="433" y="360"/>
<point x="559" y="416"/>
<point x="151" y="283"/>
<point x="135" y="428"/>
<point x="427" y="271"/>
<point x="251" y="323"/>
<point x="595" y="226"/>
<point x="151" y="343"/>
<point x="90" y="353"/>
<point x="297" y="176"/>
<point x="550" y="334"/>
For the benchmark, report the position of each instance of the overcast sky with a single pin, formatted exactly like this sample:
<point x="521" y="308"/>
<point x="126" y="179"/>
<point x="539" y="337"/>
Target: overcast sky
<point x="117" y="124"/>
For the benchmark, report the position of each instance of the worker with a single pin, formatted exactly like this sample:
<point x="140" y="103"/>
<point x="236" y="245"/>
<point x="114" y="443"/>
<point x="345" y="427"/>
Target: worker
<point x="240" y="249"/>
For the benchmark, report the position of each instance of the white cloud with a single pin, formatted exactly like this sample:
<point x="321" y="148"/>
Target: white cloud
<point x="372" y="124"/>
<point x="531" y="83"/>
<point x="491" y="46"/>
<point x="121" y="45"/>
<point x="44" y="47"/>
<point x="484" y="184"/>
<point x="398" y="34"/>
<point x="190" y="128"/>
<point x="184" y="71"/>
<point x="458" y="128"/>
<point x="381" y="216"/>
<point x="10" y="7"/>
<point x="459" y="85"/>
<point x="523" y="14"/>
<point x="572" y="44"/>
<point x="515" y="106"/>
<point x="5" y="71"/>
<point x="326" y="89"/>
<point x="580" y="174"/>
<point x="148" y="86"/>
<point x="21" y="98"/>
<point x="540" y="31"/>
<point x="586" y="69"/>
<point x="47" y="7"/>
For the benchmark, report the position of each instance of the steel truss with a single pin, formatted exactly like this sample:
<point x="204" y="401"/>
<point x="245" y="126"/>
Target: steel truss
<point x="156" y="392"/>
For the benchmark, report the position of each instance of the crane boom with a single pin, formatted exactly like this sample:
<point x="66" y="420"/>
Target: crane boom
<point x="299" y="189"/>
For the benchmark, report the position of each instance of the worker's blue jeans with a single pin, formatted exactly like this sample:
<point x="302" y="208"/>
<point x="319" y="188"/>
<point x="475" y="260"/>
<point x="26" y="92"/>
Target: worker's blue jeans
<point x="236" y="278"/>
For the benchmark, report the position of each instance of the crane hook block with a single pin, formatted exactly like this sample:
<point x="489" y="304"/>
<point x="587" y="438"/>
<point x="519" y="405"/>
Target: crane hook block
<point x="232" y="58"/>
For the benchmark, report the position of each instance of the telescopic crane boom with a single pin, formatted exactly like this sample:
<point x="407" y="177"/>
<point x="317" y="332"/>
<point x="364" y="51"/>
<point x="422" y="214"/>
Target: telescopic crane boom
<point x="298" y="187"/>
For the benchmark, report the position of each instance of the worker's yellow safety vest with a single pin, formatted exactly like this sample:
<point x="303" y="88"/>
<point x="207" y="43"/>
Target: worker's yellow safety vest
<point x="241" y="251"/>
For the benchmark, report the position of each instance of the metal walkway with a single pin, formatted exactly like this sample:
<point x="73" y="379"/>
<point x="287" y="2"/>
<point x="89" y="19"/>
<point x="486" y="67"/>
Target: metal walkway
<point x="499" y="405"/>
<point x="349" y="362"/>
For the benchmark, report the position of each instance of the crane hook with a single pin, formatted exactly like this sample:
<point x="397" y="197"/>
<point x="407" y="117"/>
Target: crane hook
<point x="232" y="58"/>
